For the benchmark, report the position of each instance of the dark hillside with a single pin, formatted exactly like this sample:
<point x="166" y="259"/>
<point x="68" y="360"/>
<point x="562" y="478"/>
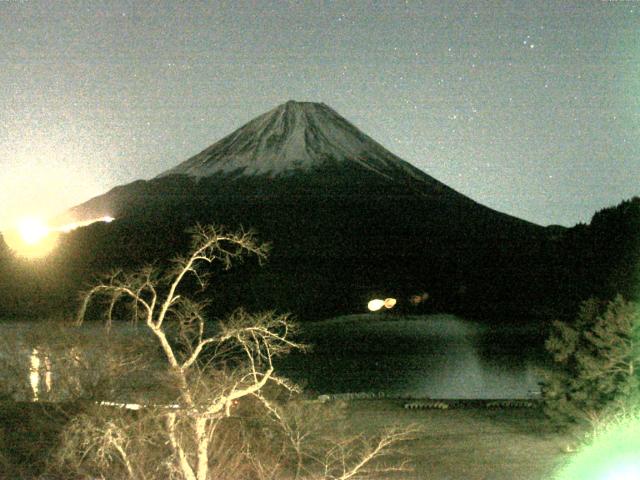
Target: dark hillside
<point x="335" y="241"/>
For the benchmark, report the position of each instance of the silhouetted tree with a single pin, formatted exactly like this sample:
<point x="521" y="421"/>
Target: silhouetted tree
<point x="597" y="362"/>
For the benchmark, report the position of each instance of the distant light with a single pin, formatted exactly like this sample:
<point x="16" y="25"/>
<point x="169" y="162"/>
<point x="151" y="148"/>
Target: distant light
<point x="33" y="238"/>
<point x="418" y="298"/>
<point x="375" y="305"/>
<point x="69" y="227"/>
<point x="390" y="302"/>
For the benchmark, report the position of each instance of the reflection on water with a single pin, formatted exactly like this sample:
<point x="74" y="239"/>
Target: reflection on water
<point x="435" y="356"/>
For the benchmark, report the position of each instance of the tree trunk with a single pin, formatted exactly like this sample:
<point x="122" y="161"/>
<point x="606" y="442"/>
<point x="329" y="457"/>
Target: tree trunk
<point x="203" y="448"/>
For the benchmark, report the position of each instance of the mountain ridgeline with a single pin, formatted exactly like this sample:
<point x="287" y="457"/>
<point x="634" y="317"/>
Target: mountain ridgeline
<point x="347" y="221"/>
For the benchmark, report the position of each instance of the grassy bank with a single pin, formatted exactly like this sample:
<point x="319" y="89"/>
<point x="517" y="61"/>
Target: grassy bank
<point x="473" y="443"/>
<point x="28" y="434"/>
<point x="470" y="443"/>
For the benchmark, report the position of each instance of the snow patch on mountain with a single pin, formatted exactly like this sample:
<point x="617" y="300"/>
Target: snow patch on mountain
<point x="295" y="136"/>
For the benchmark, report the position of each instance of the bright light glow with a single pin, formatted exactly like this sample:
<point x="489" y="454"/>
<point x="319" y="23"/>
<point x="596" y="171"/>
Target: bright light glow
<point x="45" y="168"/>
<point x="33" y="238"/>
<point x="375" y="305"/>
<point x="73" y="225"/>
<point x="390" y="302"/>
<point x="30" y="238"/>
<point x="32" y="230"/>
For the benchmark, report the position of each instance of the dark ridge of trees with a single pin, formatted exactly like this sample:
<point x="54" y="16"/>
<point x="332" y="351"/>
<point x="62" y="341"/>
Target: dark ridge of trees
<point x="601" y="259"/>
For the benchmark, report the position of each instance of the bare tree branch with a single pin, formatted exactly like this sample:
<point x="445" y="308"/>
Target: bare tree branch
<point x="211" y="374"/>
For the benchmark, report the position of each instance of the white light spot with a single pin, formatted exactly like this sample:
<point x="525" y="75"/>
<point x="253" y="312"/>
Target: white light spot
<point x="624" y="472"/>
<point x="34" y="374"/>
<point x="72" y="226"/>
<point x="375" y="305"/>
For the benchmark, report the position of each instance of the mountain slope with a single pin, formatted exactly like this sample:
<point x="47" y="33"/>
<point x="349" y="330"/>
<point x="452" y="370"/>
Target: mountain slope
<point x="306" y="147"/>
<point x="294" y="137"/>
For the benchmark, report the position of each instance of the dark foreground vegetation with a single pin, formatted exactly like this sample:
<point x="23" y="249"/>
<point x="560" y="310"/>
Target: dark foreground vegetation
<point x="590" y="390"/>
<point x="30" y="434"/>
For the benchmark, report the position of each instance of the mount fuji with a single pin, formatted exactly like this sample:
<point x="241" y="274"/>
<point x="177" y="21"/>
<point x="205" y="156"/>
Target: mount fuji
<point x="347" y="220"/>
<point x="298" y="148"/>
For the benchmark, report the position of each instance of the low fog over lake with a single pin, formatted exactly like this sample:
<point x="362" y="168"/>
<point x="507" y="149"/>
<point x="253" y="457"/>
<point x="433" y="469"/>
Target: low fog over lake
<point x="437" y="356"/>
<point x="434" y="356"/>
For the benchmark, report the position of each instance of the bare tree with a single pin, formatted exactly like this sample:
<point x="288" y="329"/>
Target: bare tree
<point x="212" y="374"/>
<point x="158" y="302"/>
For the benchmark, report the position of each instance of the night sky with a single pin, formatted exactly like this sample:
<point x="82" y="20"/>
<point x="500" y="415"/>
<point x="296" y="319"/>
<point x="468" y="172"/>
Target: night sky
<point x="529" y="107"/>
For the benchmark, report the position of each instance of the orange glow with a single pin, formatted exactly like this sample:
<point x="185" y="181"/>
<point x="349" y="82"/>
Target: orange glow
<point x="418" y="298"/>
<point x="390" y="302"/>
<point x="33" y="238"/>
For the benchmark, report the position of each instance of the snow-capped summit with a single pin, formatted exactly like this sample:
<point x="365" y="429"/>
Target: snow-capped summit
<point x="295" y="136"/>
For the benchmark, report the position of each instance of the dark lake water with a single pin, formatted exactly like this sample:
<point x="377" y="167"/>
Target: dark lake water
<point x="438" y="356"/>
